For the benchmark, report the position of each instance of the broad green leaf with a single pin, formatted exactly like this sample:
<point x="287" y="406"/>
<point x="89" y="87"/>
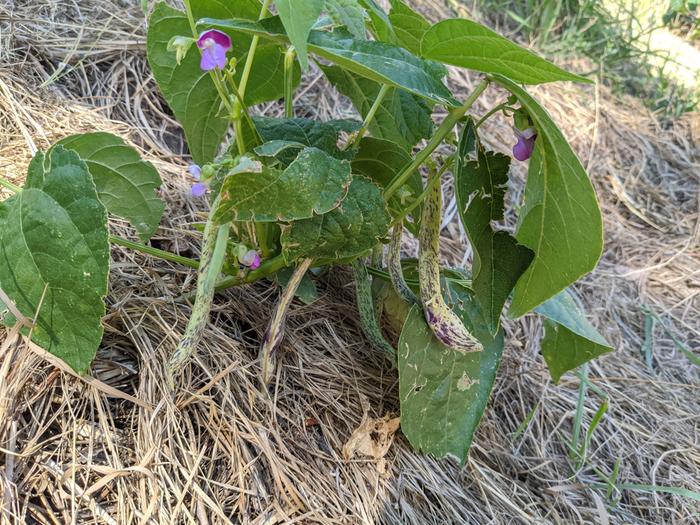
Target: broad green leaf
<point x="314" y="184"/>
<point x="380" y="23"/>
<point x="312" y="133"/>
<point x="348" y="231"/>
<point x="348" y="13"/>
<point x="298" y="18"/>
<point x="464" y="43"/>
<point x="381" y="160"/>
<point x="275" y="147"/>
<point x="402" y="117"/>
<point x="125" y="183"/>
<point x="266" y="80"/>
<point x="561" y="219"/>
<point x="378" y="61"/>
<point x="189" y="91"/>
<point x="499" y="261"/>
<point x="409" y="26"/>
<point x="443" y="393"/>
<point x="569" y="339"/>
<point x="54" y="257"/>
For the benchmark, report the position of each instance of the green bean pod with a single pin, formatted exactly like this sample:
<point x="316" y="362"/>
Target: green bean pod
<point x="365" y="307"/>
<point x="395" y="270"/>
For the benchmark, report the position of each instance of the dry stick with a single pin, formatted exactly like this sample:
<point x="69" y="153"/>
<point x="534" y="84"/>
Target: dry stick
<point x="275" y="330"/>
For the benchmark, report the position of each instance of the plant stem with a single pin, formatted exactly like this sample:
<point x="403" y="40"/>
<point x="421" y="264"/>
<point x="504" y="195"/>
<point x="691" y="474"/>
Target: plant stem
<point x="289" y="57"/>
<point x="372" y="112"/>
<point x="190" y="18"/>
<point x="7" y="184"/>
<point x="445" y="128"/>
<point x="155" y="252"/>
<point x="268" y="267"/>
<point x="251" y="52"/>
<point x="492" y="111"/>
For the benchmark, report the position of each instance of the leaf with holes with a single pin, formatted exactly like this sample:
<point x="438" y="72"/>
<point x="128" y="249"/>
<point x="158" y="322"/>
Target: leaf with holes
<point x="348" y="231"/>
<point x="464" y="43"/>
<point x="443" y="393"/>
<point x="314" y="184"/>
<point x="561" y="220"/>
<point x="125" y="183"/>
<point x="54" y="257"/>
<point x="569" y="339"/>
<point x="499" y="261"/>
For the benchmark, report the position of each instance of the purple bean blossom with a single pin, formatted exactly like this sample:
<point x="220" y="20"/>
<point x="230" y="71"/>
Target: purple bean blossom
<point x="251" y="259"/>
<point x="199" y="188"/>
<point x="526" y="143"/>
<point x="214" y="45"/>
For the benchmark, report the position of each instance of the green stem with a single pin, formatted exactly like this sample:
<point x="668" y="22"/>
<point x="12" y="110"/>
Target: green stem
<point x="251" y="52"/>
<point x="445" y="128"/>
<point x="431" y="183"/>
<point x="372" y="112"/>
<point x="267" y="268"/>
<point x="289" y="82"/>
<point x="155" y="252"/>
<point x="491" y="112"/>
<point x="190" y="18"/>
<point x="7" y="184"/>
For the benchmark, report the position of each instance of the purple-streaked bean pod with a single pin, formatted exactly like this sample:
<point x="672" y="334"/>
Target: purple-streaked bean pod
<point x="444" y="323"/>
<point x="275" y="330"/>
<point x="366" y="310"/>
<point x="395" y="270"/>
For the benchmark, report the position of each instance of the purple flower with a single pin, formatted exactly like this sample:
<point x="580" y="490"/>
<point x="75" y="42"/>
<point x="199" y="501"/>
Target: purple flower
<point x="195" y="171"/>
<point x="214" y="45"/>
<point x="251" y="259"/>
<point x="526" y="143"/>
<point x="199" y="189"/>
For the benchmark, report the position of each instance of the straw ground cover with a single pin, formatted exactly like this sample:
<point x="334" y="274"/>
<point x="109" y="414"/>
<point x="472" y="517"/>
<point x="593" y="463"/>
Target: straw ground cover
<point x="224" y="451"/>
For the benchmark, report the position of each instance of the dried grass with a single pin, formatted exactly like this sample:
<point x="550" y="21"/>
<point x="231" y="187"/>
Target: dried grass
<point x="226" y="452"/>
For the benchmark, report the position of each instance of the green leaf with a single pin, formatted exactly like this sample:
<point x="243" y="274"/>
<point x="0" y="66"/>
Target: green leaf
<point x="275" y="147"/>
<point x="54" y="257"/>
<point x="312" y="133"/>
<point x="125" y="183"/>
<point x="409" y="26"/>
<point x="499" y="261"/>
<point x="348" y="13"/>
<point x="348" y="231"/>
<point x="464" y="43"/>
<point x="569" y="340"/>
<point x="298" y="21"/>
<point x="443" y="393"/>
<point x="266" y="80"/>
<point x="188" y="90"/>
<point x="381" y="160"/>
<point x="380" y="23"/>
<point x="314" y="184"/>
<point x="402" y="117"/>
<point x="561" y="220"/>
<point x="378" y="61"/>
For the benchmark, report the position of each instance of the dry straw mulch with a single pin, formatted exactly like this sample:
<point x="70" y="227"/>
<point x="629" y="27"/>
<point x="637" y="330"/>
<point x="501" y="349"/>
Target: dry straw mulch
<point x="226" y="452"/>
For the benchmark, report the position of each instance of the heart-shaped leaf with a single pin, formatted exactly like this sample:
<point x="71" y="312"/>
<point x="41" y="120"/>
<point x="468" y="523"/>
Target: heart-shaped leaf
<point x="125" y="183"/>
<point x="54" y="257"/>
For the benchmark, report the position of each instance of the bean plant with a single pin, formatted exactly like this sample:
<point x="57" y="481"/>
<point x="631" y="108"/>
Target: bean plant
<point x="291" y="196"/>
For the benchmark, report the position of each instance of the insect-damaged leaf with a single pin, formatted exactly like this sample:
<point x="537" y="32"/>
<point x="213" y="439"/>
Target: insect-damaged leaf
<point x="443" y="393"/>
<point x="125" y="183"/>
<point x="314" y="184"/>
<point x="348" y="231"/>
<point x="54" y="257"/>
<point x="499" y="260"/>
